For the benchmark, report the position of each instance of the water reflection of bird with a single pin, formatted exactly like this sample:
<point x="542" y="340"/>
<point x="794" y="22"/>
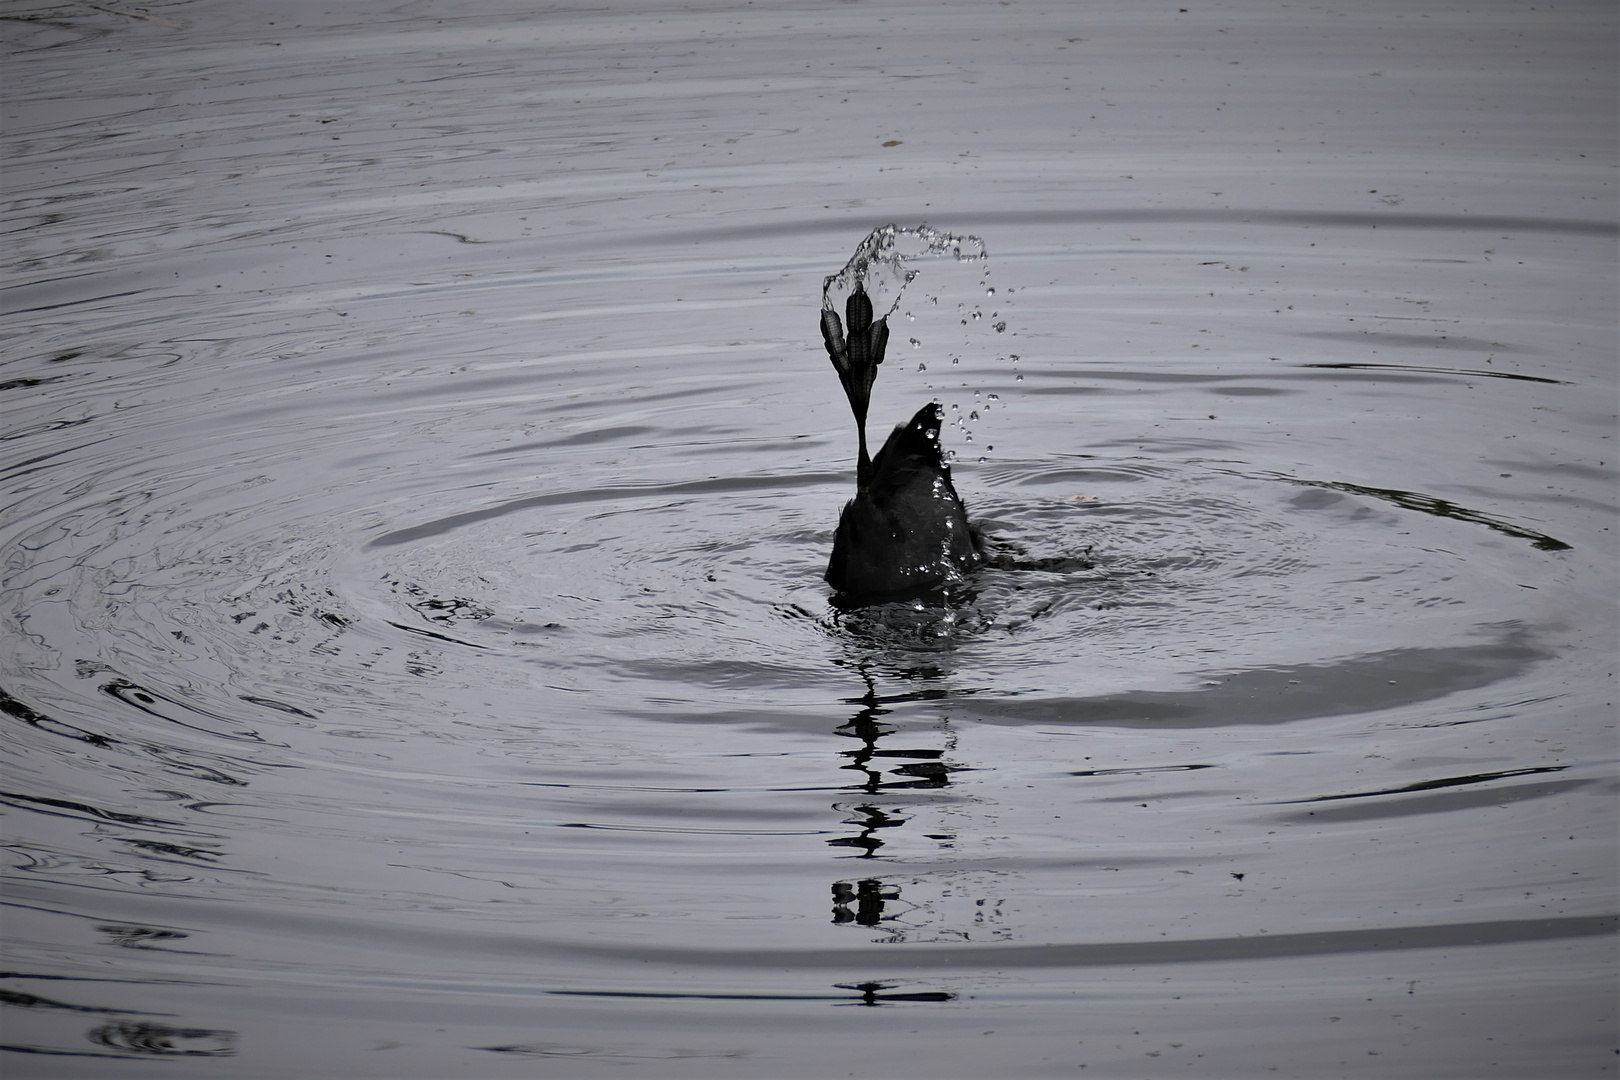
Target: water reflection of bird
<point x="906" y="531"/>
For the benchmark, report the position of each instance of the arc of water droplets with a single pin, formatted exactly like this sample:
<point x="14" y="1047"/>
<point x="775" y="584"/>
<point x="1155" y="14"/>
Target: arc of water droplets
<point x="880" y="264"/>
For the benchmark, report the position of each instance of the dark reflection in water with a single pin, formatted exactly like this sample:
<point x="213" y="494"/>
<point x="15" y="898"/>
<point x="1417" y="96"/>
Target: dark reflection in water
<point x="19" y="711"/>
<point x="871" y="993"/>
<point x="187" y="715"/>
<point x="141" y="937"/>
<point x="923" y="768"/>
<point x="862" y="903"/>
<point x="1409" y="339"/>
<point x="160" y="1040"/>
<point x="46" y="805"/>
<point x="1428" y="504"/>
<point x="1139" y="770"/>
<point x="1449" y="781"/>
<point x="18" y="384"/>
<point x="876" y="993"/>
<point x="18" y="1000"/>
<point x="1433" y="804"/>
<point x="127" y="1039"/>
<point x="870" y="819"/>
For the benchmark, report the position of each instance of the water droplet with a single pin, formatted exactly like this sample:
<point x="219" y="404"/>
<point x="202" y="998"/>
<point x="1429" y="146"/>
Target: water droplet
<point x="1014" y="358"/>
<point x="981" y="459"/>
<point x="1018" y="378"/>
<point x="932" y="433"/>
<point x="995" y="397"/>
<point x="977" y="315"/>
<point x="969" y="438"/>
<point x="1001" y="327"/>
<point x="974" y="415"/>
<point x="915" y="344"/>
<point x="990" y="449"/>
<point x="990" y="291"/>
<point x="954" y="407"/>
<point x="956" y="360"/>
<point x="922" y="367"/>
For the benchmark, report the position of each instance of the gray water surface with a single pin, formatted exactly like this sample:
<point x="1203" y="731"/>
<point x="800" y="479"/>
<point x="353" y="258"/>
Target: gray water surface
<point x="420" y="461"/>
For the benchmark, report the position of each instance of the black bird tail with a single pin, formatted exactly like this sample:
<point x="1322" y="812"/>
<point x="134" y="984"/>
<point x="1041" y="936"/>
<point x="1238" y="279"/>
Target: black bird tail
<point x="906" y="530"/>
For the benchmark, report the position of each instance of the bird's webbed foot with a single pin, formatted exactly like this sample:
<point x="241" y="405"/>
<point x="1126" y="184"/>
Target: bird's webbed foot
<point x="857" y="356"/>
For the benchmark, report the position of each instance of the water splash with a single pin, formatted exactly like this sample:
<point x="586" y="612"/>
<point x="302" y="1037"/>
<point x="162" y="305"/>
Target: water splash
<point x="881" y="264"/>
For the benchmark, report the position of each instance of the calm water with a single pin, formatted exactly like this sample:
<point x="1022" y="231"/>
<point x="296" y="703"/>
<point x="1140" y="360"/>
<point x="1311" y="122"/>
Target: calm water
<point x="420" y="460"/>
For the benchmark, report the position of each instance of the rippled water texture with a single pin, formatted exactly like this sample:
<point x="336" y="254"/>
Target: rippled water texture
<point x="420" y="461"/>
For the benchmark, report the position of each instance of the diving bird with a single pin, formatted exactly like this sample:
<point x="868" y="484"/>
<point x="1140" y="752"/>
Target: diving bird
<point x="906" y="531"/>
